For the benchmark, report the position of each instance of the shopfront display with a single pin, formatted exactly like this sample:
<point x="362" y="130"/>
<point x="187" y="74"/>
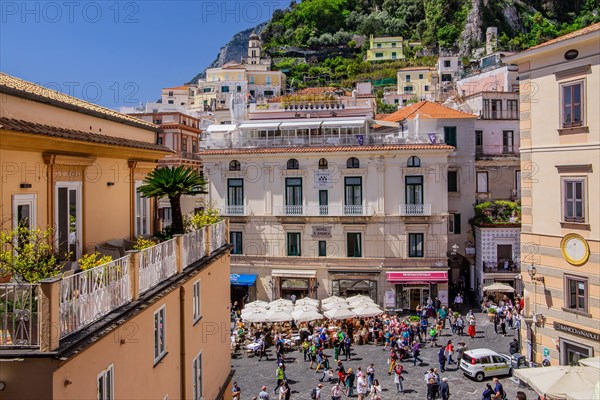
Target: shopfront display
<point x="416" y="287"/>
<point x="298" y="283"/>
<point x="243" y="288"/>
<point x="353" y="287"/>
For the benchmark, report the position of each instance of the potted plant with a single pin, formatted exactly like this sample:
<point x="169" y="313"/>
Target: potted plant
<point x="492" y="314"/>
<point x="414" y="320"/>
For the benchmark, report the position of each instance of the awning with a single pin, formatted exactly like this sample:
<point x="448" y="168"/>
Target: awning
<point x="417" y="276"/>
<point x="242" y="279"/>
<point x="294" y="273"/>
<point x="300" y="125"/>
<point x="261" y="125"/>
<point x="350" y="123"/>
<point x="387" y="123"/>
<point x="220" y="128"/>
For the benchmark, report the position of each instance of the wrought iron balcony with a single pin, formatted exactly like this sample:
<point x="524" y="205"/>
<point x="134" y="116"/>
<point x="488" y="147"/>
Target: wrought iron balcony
<point x="234" y="209"/>
<point x="325" y="210"/>
<point x="415" y="210"/>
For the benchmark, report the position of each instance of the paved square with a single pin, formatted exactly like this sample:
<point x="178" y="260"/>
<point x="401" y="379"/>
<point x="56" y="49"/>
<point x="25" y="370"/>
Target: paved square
<point x="251" y="374"/>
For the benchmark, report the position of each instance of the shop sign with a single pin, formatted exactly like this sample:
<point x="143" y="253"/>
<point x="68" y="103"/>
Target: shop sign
<point x="443" y="296"/>
<point x="389" y="299"/>
<point x="321" y="230"/>
<point x="323" y="180"/>
<point x="576" y="331"/>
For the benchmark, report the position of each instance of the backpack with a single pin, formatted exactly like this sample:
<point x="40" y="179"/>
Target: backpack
<point x="313" y="394"/>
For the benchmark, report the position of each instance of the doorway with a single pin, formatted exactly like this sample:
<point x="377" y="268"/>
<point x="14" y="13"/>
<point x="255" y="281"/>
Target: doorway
<point x="67" y="217"/>
<point x="412" y="296"/>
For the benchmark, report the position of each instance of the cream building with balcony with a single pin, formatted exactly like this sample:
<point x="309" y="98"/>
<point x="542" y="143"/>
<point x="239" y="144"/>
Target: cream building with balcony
<point x="385" y="48"/>
<point x="560" y="160"/>
<point x="415" y="82"/>
<point x="322" y="206"/>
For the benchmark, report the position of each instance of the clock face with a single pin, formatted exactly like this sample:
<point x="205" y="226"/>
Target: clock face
<point x="575" y="249"/>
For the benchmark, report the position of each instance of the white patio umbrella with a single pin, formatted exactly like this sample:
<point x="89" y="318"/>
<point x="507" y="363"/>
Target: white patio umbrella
<point x="368" y="311"/>
<point x="559" y="381"/>
<point x="254" y="310"/>
<point x="278" y="315"/>
<point x="279" y="302"/>
<point x="339" y="313"/>
<point x="499" y="287"/>
<point x="334" y="306"/>
<point x="254" y="316"/>
<point x="332" y="298"/>
<point x="307" y="301"/>
<point x="362" y="304"/>
<point x="305" y="314"/>
<point x="358" y="297"/>
<point x="311" y="306"/>
<point x="257" y="303"/>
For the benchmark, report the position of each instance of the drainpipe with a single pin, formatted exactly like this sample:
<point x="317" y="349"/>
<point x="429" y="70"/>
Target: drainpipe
<point x="182" y="362"/>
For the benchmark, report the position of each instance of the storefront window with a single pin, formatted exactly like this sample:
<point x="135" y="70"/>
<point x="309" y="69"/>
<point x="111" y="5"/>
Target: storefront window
<point x="353" y="287"/>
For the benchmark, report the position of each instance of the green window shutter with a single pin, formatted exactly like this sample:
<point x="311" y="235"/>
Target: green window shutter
<point x="450" y="135"/>
<point x="456" y="223"/>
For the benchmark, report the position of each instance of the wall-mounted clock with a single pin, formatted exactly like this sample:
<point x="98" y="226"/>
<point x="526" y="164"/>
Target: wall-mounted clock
<point x="575" y="249"/>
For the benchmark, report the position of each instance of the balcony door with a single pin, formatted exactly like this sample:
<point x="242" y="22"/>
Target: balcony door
<point x="235" y="196"/>
<point x="353" y="198"/>
<point x="414" y="190"/>
<point x="293" y="195"/>
<point x="67" y="217"/>
<point x="323" y="202"/>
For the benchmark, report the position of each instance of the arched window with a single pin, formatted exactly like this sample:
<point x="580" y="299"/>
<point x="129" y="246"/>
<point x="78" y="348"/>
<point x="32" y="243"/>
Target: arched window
<point x="235" y="165"/>
<point x="413" y="161"/>
<point x="353" y="163"/>
<point x="293" y="164"/>
<point x="323" y="163"/>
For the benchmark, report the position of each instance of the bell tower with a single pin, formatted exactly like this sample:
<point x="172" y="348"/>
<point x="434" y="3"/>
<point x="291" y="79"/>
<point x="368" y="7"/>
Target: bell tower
<point x="254" y="49"/>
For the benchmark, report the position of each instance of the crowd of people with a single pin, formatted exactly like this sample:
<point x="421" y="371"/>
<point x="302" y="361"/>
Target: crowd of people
<point x="402" y="339"/>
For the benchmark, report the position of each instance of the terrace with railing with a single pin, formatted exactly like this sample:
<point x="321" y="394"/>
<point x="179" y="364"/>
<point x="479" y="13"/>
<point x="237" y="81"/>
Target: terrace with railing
<point x="75" y="302"/>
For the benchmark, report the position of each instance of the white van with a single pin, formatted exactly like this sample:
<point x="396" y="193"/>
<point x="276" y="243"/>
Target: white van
<point x="483" y="363"/>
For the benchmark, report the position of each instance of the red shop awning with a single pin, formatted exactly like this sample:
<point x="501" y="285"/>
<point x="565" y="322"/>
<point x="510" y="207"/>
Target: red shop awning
<point x="417" y="276"/>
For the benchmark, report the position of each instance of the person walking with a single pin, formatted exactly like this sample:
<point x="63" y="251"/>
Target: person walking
<point x="317" y="391"/>
<point x="460" y="325"/>
<point x="461" y="347"/>
<point x="283" y="391"/>
<point x="341" y="371"/>
<point x="337" y="345"/>
<point x="370" y="376"/>
<point x="445" y="389"/>
<point x="313" y="355"/>
<point x="498" y="390"/>
<point x="472" y="329"/>
<point x="279" y="375"/>
<point x="487" y="392"/>
<point x="376" y="390"/>
<point x="347" y="344"/>
<point x="306" y="350"/>
<point x="336" y="391"/>
<point x="361" y="387"/>
<point x="416" y="352"/>
<point x="392" y="361"/>
<point x="263" y="395"/>
<point x="442" y="359"/>
<point x="350" y="378"/>
<point x="450" y="352"/>
<point x="432" y="389"/>
<point x="398" y="378"/>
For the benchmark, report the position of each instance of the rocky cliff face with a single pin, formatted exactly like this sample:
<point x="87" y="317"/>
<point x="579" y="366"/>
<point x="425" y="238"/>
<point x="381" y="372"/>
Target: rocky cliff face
<point x="472" y="33"/>
<point x="232" y="51"/>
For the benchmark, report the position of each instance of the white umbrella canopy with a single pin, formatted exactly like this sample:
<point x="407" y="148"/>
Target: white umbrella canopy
<point x="358" y="297"/>
<point x="254" y="316"/>
<point x="368" y="311"/>
<point x="557" y="382"/>
<point x="307" y="301"/>
<point x="363" y="303"/>
<point x="499" y="287"/>
<point x="335" y="306"/>
<point x="591" y="362"/>
<point x="339" y="313"/>
<point x="279" y="302"/>
<point x="278" y="314"/>
<point x="305" y="314"/>
<point x="257" y="303"/>
<point x="254" y="310"/>
<point x="332" y="299"/>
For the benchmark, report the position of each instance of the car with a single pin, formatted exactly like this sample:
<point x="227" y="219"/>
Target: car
<point x="483" y="363"/>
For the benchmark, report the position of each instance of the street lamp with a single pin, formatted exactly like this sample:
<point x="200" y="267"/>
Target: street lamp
<point x="455" y="249"/>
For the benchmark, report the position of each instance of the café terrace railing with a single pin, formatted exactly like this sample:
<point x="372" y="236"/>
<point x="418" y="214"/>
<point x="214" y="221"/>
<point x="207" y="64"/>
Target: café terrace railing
<point x="87" y="296"/>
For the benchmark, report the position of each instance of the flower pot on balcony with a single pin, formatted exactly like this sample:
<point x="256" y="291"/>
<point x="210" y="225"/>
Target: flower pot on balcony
<point x="5" y="278"/>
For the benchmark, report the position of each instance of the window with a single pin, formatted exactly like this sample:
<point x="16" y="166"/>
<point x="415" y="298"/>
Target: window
<point x="142" y="212"/>
<point x="268" y="93"/>
<point x="353" y="195"/>
<point x="420" y="76"/>
<point x="378" y="45"/>
<point x="407" y="78"/>
<point x="394" y="55"/>
<point x="446" y="63"/>
<point x="170" y="94"/>
<point x="413" y="161"/>
<point x="170" y="102"/>
<point x="322" y="248"/>
<point x="496" y="109"/>
<point x="224" y="89"/>
<point x="504" y="253"/>
<point x="194" y="146"/>
<point x="414" y="189"/>
<point x="267" y="80"/>
<point x="293" y="244"/>
<point x="323" y="202"/>
<point x="235" y="192"/>
<point x="293" y="164"/>
<point x="323" y="164"/>
<point x="426" y="88"/>
<point x="572" y="104"/>
<point x="24" y="210"/>
<point x="235" y="238"/>
<point x="574" y="201"/>
<point x="450" y="135"/>
<point x="518" y="183"/>
<point x="184" y="145"/>
<point x="106" y="384"/>
<point x="408" y="89"/>
<point x="353" y="163"/>
<point x="197" y="302"/>
<point x="379" y="55"/>
<point x="482" y="182"/>
<point x="251" y="80"/>
<point x="159" y="140"/>
<point x="454" y="223"/>
<point x="353" y="244"/>
<point x="394" y="44"/>
<point x="293" y="193"/>
<point x="415" y="245"/>
<point x="446" y="78"/>
<point x="508" y="140"/>
<point x="235" y="165"/>
<point x="513" y="108"/>
<point x="478" y="142"/>
<point x="197" y="371"/>
<point x="160" y="346"/>
<point x="572" y="352"/>
<point x="452" y="181"/>
<point x="238" y="88"/>
<point x="576" y="292"/>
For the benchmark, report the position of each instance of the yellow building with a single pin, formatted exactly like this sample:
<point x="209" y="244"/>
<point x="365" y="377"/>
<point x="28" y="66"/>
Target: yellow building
<point x="560" y="164"/>
<point x="136" y="327"/>
<point x="385" y="49"/>
<point x="415" y="81"/>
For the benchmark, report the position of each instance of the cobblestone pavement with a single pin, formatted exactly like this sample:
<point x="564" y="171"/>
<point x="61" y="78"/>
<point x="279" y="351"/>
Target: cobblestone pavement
<point x="251" y="373"/>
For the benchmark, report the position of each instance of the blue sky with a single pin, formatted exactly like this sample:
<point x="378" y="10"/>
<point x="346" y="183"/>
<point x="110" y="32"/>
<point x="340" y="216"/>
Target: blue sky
<point x="117" y="53"/>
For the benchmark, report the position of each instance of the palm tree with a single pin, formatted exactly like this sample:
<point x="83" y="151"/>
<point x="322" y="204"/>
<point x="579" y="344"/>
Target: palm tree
<point x="173" y="182"/>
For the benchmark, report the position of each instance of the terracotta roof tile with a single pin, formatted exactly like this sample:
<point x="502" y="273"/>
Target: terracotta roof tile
<point x="22" y="88"/>
<point x="184" y="87"/>
<point x="416" y="69"/>
<point x="325" y="149"/>
<point x="588" y="29"/>
<point x="427" y="110"/>
<point x="32" y="128"/>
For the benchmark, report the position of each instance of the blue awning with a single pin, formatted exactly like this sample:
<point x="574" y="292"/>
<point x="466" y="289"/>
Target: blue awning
<point x="243" y="279"/>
